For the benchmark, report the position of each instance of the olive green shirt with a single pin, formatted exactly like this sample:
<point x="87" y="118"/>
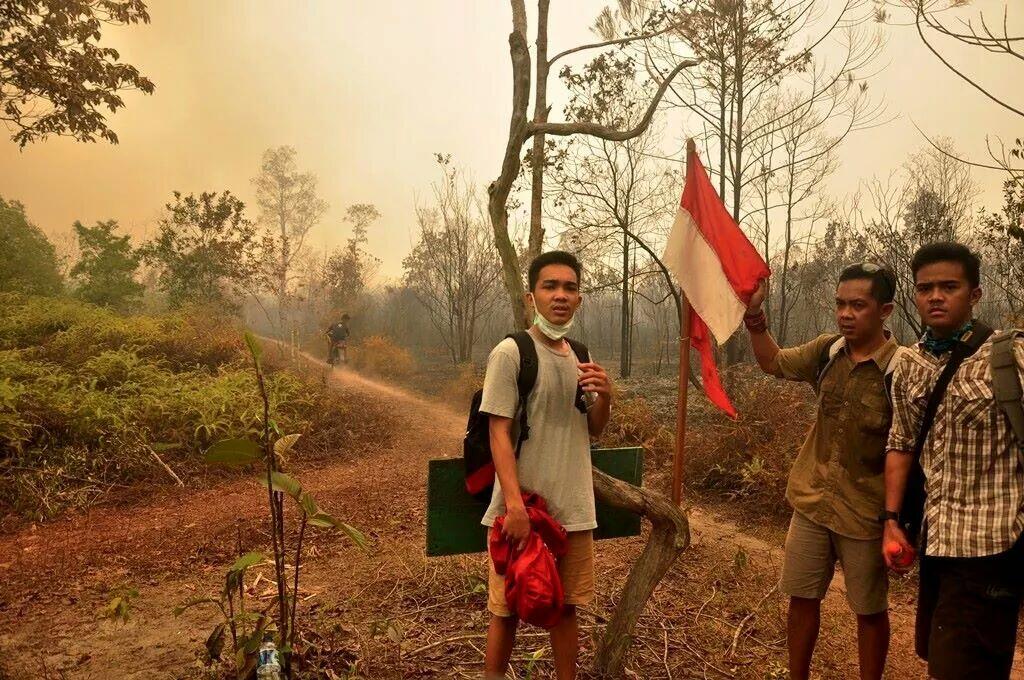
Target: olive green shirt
<point x="838" y="478"/>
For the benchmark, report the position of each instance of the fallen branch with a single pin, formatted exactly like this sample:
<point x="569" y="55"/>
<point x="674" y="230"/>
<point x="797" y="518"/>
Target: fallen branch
<point x="167" y="467"/>
<point x="739" y="628"/>
<point x="475" y="636"/>
<point x="669" y="537"/>
<point x="664" y="656"/>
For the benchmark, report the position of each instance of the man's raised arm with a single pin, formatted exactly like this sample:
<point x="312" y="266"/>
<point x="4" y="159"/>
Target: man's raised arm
<point x="761" y="341"/>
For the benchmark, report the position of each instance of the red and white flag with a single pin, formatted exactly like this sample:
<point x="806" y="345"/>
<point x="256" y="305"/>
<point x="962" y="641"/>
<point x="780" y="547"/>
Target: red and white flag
<point x="717" y="267"/>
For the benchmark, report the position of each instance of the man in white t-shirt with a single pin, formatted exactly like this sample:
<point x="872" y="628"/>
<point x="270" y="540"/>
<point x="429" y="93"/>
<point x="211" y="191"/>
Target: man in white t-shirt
<point x="553" y="462"/>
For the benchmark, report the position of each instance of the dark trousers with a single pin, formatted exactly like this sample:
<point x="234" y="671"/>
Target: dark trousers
<point x="967" y="614"/>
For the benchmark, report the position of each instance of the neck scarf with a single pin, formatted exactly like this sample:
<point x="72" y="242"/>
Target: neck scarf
<point x="939" y="346"/>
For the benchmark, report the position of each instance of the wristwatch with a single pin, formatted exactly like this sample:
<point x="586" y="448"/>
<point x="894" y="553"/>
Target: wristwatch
<point x="889" y="515"/>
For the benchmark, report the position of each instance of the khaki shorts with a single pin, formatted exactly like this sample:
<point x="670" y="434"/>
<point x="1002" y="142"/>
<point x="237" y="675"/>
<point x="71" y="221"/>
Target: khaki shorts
<point x="576" y="570"/>
<point x="810" y="562"/>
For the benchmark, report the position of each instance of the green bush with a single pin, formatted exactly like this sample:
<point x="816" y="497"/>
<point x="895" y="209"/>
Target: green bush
<point x="88" y="396"/>
<point x="67" y="332"/>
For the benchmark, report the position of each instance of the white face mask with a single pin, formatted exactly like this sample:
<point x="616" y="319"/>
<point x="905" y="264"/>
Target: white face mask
<point x="553" y="331"/>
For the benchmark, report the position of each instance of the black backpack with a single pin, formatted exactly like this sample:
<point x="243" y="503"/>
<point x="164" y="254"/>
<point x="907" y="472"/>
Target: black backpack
<point x="476" y="446"/>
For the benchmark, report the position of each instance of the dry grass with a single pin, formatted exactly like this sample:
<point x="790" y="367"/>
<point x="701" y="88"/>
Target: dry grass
<point x="460" y="389"/>
<point x="745" y="462"/>
<point x="748" y="460"/>
<point x="634" y="422"/>
<point x="715" y="615"/>
<point x="378" y="355"/>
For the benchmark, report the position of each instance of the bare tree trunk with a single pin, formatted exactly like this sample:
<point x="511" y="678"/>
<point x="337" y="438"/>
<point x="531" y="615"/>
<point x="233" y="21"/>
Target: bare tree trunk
<point x="738" y="78"/>
<point x="783" y="313"/>
<point x="632" y="313"/>
<point x="540" y="115"/>
<point x="282" y="277"/>
<point x="732" y="346"/>
<point x="520" y="130"/>
<point x="499" y="189"/>
<point x="669" y="537"/>
<point x="767" y="238"/>
<point x="624" y="363"/>
<point x="723" y="129"/>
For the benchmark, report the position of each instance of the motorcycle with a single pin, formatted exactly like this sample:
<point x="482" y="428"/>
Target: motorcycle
<point x="337" y="350"/>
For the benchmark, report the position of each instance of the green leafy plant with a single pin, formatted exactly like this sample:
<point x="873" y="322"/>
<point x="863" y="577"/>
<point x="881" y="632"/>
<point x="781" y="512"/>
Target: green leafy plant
<point x="91" y="401"/>
<point x="534" y="658"/>
<point x="272" y="451"/>
<point x="246" y="628"/>
<point x="740" y="560"/>
<point x="119" y="607"/>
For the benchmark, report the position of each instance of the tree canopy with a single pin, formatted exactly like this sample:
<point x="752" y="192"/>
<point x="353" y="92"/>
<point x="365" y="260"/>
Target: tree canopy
<point x="55" y="77"/>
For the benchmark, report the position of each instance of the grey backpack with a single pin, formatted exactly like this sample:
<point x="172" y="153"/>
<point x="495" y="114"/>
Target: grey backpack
<point x="1006" y="382"/>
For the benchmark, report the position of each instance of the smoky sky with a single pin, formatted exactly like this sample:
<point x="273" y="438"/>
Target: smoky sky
<point x="367" y="92"/>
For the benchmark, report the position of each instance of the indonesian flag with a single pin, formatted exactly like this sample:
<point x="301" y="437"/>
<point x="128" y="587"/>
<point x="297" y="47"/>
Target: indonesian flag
<point x="717" y="267"/>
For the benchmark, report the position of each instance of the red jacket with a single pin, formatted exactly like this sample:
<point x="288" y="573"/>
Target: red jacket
<point x="533" y="588"/>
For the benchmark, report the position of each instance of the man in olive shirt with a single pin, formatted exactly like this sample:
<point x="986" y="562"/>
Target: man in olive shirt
<point x="837" y="485"/>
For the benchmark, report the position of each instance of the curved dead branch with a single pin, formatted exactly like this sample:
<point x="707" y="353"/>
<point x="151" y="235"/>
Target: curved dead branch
<point x="610" y="133"/>
<point x="669" y="537"/>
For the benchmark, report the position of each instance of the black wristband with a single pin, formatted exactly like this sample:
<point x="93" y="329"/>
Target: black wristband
<point x="889" y="515"/>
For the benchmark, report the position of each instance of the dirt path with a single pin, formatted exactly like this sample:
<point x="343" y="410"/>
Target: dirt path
<point x="177" y="545"/>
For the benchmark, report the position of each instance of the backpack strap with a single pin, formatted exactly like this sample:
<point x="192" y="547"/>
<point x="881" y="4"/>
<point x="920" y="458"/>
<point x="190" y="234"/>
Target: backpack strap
<point x="831" y="351"/>
<point x="525" y="381"/>
<point x="912" y="513"/>
<point x="1006" y="381"/>
<point x="583" y="357"/>
<point x="581" y="351"/>
<point x="890" y="368"/>
<point x="828" y="357"/>
<point x="964" y="349"/>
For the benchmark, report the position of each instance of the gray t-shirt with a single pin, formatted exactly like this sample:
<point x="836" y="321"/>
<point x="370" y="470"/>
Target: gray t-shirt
<point x="555" y="460"/>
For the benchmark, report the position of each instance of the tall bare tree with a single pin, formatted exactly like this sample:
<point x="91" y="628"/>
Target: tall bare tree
<point x="755" y="56"/>
<point x="612" y="192"/>
<point x="538" y="161"/>
<point x="941" y="23"/>
<point x="522" y="130"/>
<point x="289" y="207"/>
<point x="794" y="194"/>
<point x="932" y="200"/>
<point x="452" y="269"/>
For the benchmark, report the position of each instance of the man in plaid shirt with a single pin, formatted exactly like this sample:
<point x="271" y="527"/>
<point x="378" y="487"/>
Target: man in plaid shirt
<point x="972" y="565"/>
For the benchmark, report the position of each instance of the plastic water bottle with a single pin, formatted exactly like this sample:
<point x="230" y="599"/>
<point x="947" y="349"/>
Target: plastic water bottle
<point x="268" y="667"/>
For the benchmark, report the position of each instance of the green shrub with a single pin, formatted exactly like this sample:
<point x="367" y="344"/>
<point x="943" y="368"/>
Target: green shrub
<point x="68" y="332"/>
<point x="87" y="397"/>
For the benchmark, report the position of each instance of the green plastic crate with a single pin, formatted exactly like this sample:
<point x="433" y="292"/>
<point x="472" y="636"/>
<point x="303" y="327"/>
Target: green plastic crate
<point x="453" y="516"/>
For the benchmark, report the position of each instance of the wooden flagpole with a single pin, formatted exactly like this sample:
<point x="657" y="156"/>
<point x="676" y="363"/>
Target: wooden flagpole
<point x="684" y="380"/>
<point x="684" y="383"/>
